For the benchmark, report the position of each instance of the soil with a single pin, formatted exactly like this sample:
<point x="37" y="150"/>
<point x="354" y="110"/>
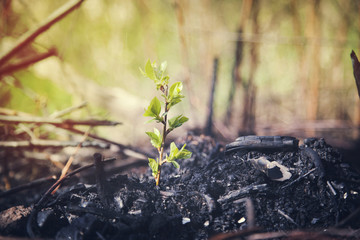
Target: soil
<point x="215" y="194"/>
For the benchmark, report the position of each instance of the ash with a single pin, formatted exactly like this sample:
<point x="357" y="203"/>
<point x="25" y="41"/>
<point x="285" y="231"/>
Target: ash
<point x="214" y="192"/>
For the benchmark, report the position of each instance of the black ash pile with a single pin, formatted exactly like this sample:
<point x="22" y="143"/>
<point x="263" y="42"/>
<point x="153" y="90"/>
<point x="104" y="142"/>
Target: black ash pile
<point x="265" y="183"/>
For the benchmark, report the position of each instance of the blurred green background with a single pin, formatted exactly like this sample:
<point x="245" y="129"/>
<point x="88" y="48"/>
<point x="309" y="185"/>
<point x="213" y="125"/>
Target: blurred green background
<point x="295" y="67"/>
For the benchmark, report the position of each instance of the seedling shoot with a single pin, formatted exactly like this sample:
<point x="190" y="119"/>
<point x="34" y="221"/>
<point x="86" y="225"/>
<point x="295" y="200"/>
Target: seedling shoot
<point x="170" y="96"/>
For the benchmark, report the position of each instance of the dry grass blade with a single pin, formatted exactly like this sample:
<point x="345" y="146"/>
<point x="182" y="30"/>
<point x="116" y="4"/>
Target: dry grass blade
<point x="71" y="159"/>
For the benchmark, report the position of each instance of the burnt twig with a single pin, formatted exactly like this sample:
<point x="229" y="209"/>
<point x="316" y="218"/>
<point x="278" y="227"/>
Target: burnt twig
<point x="100" y="178"/>
<point x="44" y="198"/>
<point x="298" y="179"/>
<point x="61" y="180"/>
<point x="309" y="152"/>
<point x="278" y="143"/>
<point x="208" y="128"/>
<point x="32" y="184"/>
<point x="356" y="69"/>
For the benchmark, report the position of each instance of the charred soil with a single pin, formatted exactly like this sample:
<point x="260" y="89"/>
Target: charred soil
<point x="216" y="194"/>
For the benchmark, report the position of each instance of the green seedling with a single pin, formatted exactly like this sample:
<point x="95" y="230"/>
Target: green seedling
<point x="170" y="97"/>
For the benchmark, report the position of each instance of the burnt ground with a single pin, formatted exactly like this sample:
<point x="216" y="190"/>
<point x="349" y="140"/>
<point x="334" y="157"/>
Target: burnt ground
<point x="215" y="194"/>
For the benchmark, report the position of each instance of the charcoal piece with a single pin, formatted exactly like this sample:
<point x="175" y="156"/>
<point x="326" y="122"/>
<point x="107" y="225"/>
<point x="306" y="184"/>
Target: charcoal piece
<point x="12" y="220"/>
<point x="309" y="152"/>
<point x="83" y="227"/>
<point x="50" y="222"/>
<point x="251" y="142"/>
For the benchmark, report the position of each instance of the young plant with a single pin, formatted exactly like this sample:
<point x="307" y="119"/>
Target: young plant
<point x="170" y="97"/>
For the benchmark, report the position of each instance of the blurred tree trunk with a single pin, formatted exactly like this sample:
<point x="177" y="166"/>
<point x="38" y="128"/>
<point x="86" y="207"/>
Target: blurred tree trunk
<point x="236" y="76"/>
<point x="313" y="33"/>
<point x="248" y="123"/>
<point x="300" y="48"/>
<point x="179" y="9"/>
<point x="336" y="78"/>
<point x="356" y="133"/>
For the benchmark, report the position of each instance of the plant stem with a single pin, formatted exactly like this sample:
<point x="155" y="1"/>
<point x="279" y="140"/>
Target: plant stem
<point x="161" y="153"/>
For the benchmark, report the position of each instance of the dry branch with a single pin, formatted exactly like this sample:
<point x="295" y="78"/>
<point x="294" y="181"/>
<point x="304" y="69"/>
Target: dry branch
<point x="27" y="62"/>
<point x="25" y="186"/>
<point x="29" y="36"/>
<point x="123" y="147"/>
<point x="66" y="122"/>
<point x="71" y="158"/>
<point x="12" y="112"/>
<point x="49" y="143"/>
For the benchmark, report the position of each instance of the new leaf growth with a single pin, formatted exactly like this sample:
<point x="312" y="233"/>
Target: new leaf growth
<point x="170" y="97"/>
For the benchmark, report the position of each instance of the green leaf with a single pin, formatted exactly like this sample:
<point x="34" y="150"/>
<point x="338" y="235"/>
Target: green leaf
<point x="150" y="71"/>
<point x="175" y="89"/>
<point x="183" y="153"/>
<point x="163" y="66"/>
<point x="154" y="166"/>
<point x="177" y="121"/>
<point x="175" y="164"/>
<point x="155" y="137"/>
<point x="173" y="151"/>
<point x="175" y="95"/>
<point x="153" y="109"/>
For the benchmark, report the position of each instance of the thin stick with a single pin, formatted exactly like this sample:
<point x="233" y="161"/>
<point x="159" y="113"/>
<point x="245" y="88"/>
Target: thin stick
<point x="298" y="179"/>
<point x="287" y="217"/>
<point x="61" y="180"/>
<point x="71" y="159"/>
<point x="29" y="36"/>
<point x="68" y="110"/>
<point x="32" y="184"/>
<point x="42" y="201"/>
<point x="74" y="130"/>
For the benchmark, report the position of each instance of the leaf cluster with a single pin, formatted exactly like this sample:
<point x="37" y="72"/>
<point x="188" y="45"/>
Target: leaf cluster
<point x="175" y="154"/>
<point x="156" y="74"/>
<point x="171" y="96"/>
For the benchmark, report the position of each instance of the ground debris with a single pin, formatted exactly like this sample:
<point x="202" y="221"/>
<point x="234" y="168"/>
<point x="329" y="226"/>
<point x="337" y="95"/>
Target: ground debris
<point x="213" y="193"/>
